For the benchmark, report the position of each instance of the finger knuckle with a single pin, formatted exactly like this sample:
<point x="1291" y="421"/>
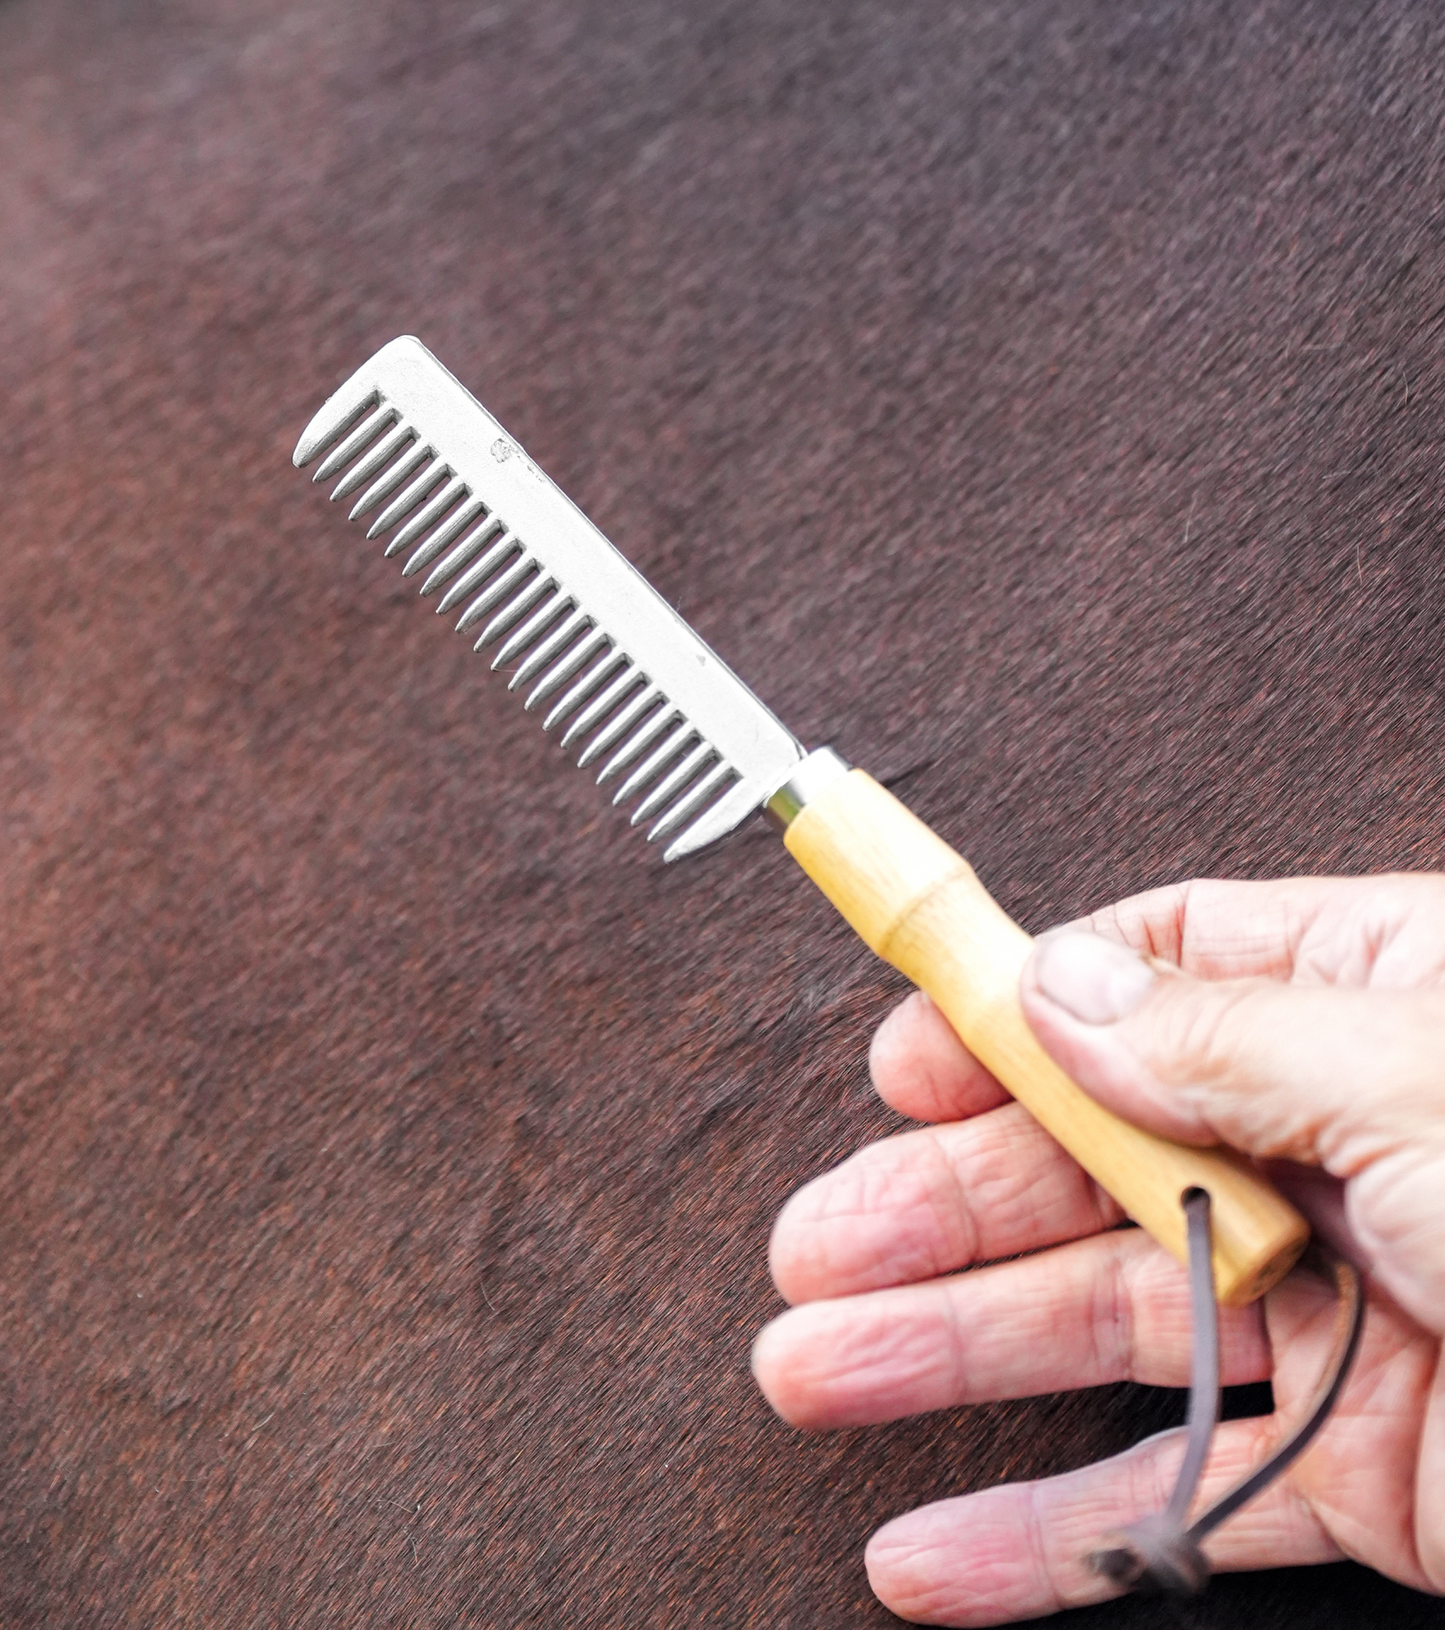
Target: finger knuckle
<point x="1204" y="1030"/>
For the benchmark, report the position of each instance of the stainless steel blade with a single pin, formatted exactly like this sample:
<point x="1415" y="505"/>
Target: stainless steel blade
<point x="579" y="614"/>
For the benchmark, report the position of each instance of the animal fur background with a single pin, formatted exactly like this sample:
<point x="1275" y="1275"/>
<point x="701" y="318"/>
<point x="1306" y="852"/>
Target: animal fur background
<point x="1040" y="401"/>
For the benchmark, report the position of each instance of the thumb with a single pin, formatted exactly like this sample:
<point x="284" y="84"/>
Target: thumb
<point x="1317" y="1073"/>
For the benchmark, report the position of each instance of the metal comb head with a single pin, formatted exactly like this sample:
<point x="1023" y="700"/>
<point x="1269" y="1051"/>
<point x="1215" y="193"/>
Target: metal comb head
<point x="626" y="678"/>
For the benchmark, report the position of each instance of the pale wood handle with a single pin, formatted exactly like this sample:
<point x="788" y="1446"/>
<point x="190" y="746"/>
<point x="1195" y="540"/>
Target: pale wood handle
<point x="919" y="906"/>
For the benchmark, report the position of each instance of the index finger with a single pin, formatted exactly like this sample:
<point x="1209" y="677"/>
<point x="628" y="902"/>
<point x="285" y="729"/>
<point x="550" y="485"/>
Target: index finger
<point x="1211" y="928"/>
<point x="1221" y="929"/>
<point x="920" y="1067"/>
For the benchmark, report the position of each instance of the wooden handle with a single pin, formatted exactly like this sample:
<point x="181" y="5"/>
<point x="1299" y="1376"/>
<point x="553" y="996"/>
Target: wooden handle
<point x="920" y="906"/>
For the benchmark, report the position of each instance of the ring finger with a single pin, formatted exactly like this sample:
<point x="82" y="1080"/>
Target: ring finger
<point x="1110" y="1308"/>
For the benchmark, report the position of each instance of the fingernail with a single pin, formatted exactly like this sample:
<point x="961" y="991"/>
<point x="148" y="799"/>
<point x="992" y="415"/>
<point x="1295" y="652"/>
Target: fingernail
<point x="1092" y="978"/>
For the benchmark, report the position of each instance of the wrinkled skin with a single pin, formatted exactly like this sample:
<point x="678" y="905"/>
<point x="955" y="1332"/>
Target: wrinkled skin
<point x="1303" y="1022"/>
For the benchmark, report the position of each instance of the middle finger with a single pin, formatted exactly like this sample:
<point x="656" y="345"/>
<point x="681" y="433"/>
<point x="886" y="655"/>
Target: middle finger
<point x="930" y="1201"/>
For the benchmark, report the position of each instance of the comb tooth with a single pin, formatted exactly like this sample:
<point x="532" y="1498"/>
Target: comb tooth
<point x="523" y="638"/>
<point x="390" y="480"/>
<point x="486" y="536"/>
<point x="443" y="535"/>
<point x="673" y="783"/>
<point x="475" y="576"/>
<point x="596" y="711"/>
<point x="718" y="819"/>
<point x="336" y="417"/>
<point x="575" y="659"/>
<point x="408" y="501"/>
<point x="363" y="436"/>
<point x="621" y="724"/>
<point x="655" y="762"/>
<point x="584" y="688"/>
<point x="498" y="591"/>
<point x="650" y="731"/>
<point x="384" y="451"/>
<point x="554" y="645"/>
<point x="518" y="607"/>
<point x="691" y="801"/>
<point x="428" y="516"/>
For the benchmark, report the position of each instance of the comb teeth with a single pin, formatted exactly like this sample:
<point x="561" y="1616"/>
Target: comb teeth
<point x="376" y="458"/>
<point x="529" y="638"/>
<point x="599" y="708"/>
<point x="584" y="688"/>
<point x="399" y="508"/>
<point x="499" y="544"/>
<point x="425" y="519"/>
<point x="562" y="638"/>
<point x="348" y="449"/>
<point x="578" y="657"/>
<point x="437" y="537"/>
<point x="655" y="722"/>
<point x="413" y="445"/>
<point x="618" y="727"/>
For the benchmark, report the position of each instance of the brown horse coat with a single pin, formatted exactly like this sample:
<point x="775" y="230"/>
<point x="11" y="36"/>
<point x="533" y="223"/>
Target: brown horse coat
<point x="1040" y="401"/>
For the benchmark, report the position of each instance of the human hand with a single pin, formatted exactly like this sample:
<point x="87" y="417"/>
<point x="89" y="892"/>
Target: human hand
<point x="1301" y="1021"/>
